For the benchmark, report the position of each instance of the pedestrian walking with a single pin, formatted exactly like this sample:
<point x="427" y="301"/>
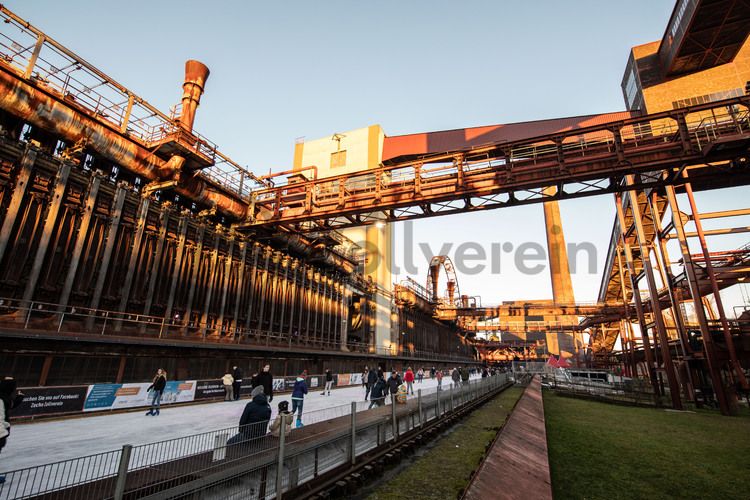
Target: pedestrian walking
<point x="254" y="416"/>
<point x="9" y="399"/>
<point x="456" y="377"/>
<point x="378" y="392"/>
<point x="228" y="380"/>
<point x="157" y="389"/>
<point x="265" y="379"/>
<point x="298" y="397"/>
<point x="372" y="378"/>
<point x="439" y="377"/>
<point x="237" y="385"/>
<point x="409" y="379"/>
<point x="420" y="375"/>
<point x="329" y="383"/>
<point x="276" y="424"/>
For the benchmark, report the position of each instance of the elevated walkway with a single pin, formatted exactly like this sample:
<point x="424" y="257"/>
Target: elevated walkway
<point x="517" y="465"/>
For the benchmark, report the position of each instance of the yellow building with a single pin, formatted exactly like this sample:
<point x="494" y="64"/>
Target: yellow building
<point x="347" y="152"/>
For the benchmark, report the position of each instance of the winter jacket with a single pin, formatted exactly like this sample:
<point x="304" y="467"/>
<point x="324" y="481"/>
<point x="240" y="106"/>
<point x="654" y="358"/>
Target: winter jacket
<point x="329" y="376"/>
<point x="4" y="426"/>
<point x="378" y="390"/>
<point x="409" y="376"/>
<point x="160" y="382"/>
<point x="455" y="375"/>
<point x="464" y="374"/>
<point x="393" y="384"/>
<point x="372" y="377"/>
<point x="266" y="380"/>
<point x="255" y="411"/>
<point x="276" y="425"/>
<point x="227" y="379"/>
<point x="439" y="375"/>
<point x="237" y="374"/>
<point x="9" y="401"/>
<point x="300" y="389"/>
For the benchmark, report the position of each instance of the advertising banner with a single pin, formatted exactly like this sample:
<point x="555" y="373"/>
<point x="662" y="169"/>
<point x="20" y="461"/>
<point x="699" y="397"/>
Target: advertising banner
<point x="50" y="400"/>
<point x="355" y="379"/>
<point x="207" y="389"/>
<point x="120" y="396"/>
<point x="343" y="379"/>
<point x="314" y="381"/>
<point x="278" y="384"/>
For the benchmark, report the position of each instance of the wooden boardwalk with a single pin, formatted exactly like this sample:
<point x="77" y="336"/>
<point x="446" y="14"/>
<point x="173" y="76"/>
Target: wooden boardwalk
<point x="517" y="466"/>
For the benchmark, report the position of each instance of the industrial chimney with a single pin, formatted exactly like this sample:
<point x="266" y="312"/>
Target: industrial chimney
<point x="196" y="74"/>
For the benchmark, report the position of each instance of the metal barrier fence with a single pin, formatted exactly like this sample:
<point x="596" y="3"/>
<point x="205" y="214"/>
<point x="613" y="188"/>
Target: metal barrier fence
<point x="244" y="462"/>
<point x="633" y="391"/>
<point x="56" y="318"/>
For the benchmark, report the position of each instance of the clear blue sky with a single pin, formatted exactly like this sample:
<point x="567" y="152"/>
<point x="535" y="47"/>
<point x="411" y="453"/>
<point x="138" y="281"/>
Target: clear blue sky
<point x="281" y="70"/>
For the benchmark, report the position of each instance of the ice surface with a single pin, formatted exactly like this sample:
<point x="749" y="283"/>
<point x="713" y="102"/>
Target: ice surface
<point x="43" y="442"/>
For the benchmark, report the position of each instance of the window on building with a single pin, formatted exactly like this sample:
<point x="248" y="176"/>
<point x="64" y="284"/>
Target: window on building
<point x="631" y="88"/>
<point x="702" y="99"/>
<point x="338" y="159"/>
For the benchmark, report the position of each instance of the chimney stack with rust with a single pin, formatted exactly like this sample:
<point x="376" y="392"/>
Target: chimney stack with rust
<point x="196" y="74"/>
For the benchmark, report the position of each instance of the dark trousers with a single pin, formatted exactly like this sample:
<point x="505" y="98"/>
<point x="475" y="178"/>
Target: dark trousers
<point x="368" y="388"/>
<point x="236" y="386"/>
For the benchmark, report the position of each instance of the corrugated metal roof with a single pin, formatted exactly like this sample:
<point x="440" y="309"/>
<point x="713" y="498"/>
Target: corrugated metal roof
<point x="406" y="146"/>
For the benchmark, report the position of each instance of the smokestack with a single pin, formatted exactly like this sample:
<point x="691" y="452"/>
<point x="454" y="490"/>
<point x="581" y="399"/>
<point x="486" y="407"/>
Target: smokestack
<point x="196" y="74"/>
<point x="451" y="291"/>
<point x="434" y="274"/>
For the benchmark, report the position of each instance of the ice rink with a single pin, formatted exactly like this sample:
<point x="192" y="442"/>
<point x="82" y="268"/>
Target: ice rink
<point x="44" y="442"/>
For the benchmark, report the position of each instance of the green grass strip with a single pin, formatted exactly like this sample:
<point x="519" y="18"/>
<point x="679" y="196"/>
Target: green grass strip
<point x="444" y="470"/>
<point x="604" y="451"/>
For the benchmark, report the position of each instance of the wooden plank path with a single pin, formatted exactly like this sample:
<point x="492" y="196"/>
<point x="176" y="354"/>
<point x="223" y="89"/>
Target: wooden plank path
<point x="517" y="465"/>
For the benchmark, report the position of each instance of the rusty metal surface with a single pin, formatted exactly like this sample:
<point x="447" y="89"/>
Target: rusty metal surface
<point x="517" y="465"/>
<point x="507" y="174"/>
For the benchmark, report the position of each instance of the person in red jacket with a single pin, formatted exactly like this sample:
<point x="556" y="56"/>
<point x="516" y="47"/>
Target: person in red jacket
<point x="409" y="379"/>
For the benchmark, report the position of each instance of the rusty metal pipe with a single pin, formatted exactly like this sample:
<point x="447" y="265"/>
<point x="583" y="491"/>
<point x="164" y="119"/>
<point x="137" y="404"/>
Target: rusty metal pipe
<point x="47" y="110"/>
<point x="196" y="74"/>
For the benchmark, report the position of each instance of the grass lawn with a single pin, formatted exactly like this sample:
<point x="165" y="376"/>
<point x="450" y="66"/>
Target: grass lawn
<point x="604" y="451"/>
<point x="444" y="470"/>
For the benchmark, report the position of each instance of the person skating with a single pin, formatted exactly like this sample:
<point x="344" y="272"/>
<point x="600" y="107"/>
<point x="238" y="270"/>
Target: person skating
<point x="329" y="382"/>
<point x="485" y="373"/>
<point x="372" y="378"/>
<point x="464" y="376"/>
<point x="265" y="379"/>
<point x="378" y="392"/>
<point x="276" y="424"/>
<point x="456" y="377"/>
<point x="298" y="397"/>
<point x="432" y="372"/>
<point x="237" y="385"/>
<point x="409" y="379"/>
<point x="10" y="399"/>
<point x="420" y="375"/>
<point x="394" y="381"/>
<point x="364" y="380"/>
<point x="228" y="380"/>
<point x="256" y="413"/>
<point x="439" y="377"/>
<point x="157" y="389"/>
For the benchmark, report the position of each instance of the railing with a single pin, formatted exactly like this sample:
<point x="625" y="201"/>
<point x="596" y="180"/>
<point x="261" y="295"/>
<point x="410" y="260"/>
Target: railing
<point x="631" y="391"/>
<point x="245" y="462"/>
<point x="55" y="318"/>
<point x="486" y="172"/>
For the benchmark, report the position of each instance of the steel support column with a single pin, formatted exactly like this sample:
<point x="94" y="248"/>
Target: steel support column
<point x="61" y="182"/>
<point x="16" y="199"/>
<point x="636" y="294"/>
<point x="198" y="252"/>
<point x="734" y="362"/>
<point x="653" y="292"/>
<point x="114" y="226"/>
<point x="210" y="284"/>
<point x="180" y="255"/>
<point x="226" y="285"/>
<point x="238" y="290"/>
<point x="134" y="254"/>
<point x="708" y="344"/>
<point x="83" y="230"/>
<point x="156" y="266"/>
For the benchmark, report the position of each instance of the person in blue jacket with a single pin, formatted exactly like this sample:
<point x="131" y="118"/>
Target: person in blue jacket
<point x="298" y="397"/>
